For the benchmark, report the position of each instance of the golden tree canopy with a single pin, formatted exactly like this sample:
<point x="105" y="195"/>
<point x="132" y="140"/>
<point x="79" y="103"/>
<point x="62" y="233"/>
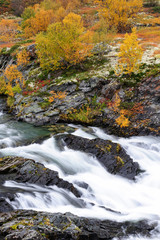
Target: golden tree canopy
<point x="130" y="54"/>
<point x="118" y="13"/>
<point x="65" y="43"/>
<point x="38" y="23"/>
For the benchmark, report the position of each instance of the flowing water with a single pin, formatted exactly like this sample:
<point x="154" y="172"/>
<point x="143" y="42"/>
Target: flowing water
<point x="100" y="190"/>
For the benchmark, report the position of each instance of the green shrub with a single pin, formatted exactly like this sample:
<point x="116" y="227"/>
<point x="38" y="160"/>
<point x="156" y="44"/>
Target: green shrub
<point x="156" y="9"/>
<point x="10" y="101"/>
<point x="17" y="89"/>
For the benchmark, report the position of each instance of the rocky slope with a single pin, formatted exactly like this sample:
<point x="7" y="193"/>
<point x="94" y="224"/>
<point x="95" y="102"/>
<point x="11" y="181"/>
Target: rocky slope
<point x="139" y="97"/>
<point x="146" y="95"/>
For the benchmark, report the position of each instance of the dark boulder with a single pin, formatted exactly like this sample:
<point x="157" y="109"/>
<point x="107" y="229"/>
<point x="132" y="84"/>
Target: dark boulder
<point x="28" y="171"/>
<point x="111" y="155"/>
<point x="41" y="226"/>
<point x="4" y="205"/>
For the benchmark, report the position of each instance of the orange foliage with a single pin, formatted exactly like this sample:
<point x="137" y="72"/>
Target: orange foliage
<point x="125" y="114"/>
<point x="23" y="58"/>
<point x="37" y="18"/>
<point x="39" y="23"/>
<point x="136" y="109"/>
<point x="9" y="90"/>
<point x="122" y="121"/>
<point x="18" y="6"/>
<point x="60" y="14"/>
<point x="114" y="105"/>
<point x="6" y="44"/>
<point x="59" y="95"/>
<point x="119" y="13"/>
<point x="8" y="30"/>
<point x="156" y="53"/>
<point x="149" y="35"/>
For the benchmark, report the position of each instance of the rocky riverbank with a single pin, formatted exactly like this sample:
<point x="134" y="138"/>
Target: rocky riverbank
<point x="111" y="155"/>
<point x="90" y="99"/>
<point x="23" y="224"/>
<point x="42" y="226"/>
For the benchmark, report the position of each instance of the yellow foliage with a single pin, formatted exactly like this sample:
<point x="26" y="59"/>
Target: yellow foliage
<point x="9" y="90"/>
<point x="60" y="14"/>
<point x="12" y="73"/>
<point x="37" y="18"/>
<point x="118" y="13"/>
<point x="119" y="160"/>
<point x="14" y="78"/>
<point x="122" y="121"/>
<point x="68" y="5"/>
<point x="8" y="30"/>
<point x="3" y="85"/>
<point x="50" y="4"/>
<point x="130" y="54"/>
<point x="23" y="58"/>
<point x="64" y="44"/>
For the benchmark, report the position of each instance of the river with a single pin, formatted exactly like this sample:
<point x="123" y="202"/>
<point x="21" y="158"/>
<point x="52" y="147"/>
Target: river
<point x="128" y="200"/>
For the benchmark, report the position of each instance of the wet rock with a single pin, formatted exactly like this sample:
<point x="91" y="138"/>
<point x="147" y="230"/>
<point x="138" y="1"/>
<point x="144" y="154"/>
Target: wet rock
<point x="59" y="128"/>
<point x="111" y="155"/>
<point x="41" y="226"/>
<point x="4" y="205"/>
<point x="27" y="171"/>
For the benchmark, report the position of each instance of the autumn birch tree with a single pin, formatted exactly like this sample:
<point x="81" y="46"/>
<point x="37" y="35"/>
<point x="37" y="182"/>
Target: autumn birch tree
<point x="130" y="54"/>
<point x="118" y="13"/>
<point x="65" y="43"/>
<point x="38" y="23"/>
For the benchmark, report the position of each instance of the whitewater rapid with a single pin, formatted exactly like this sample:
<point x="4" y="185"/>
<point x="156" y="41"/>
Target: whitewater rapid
<point x="105" y="196"/>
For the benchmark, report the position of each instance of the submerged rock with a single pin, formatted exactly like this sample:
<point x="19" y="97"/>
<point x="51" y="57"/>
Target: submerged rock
<point x="111" y="155"/>
<point x="41" y="226"/>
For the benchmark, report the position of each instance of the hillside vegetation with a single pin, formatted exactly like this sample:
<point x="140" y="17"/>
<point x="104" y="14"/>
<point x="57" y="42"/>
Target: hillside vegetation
<point x="56" y="41"/>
